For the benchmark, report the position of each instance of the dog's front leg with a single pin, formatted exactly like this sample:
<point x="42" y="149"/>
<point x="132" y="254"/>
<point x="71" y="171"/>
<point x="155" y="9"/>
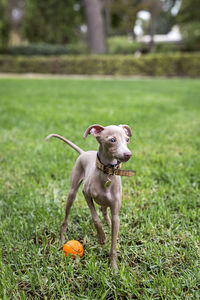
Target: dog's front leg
<point x="104" y="210"/>
<point x="115" y="230"/>
<point x="97" y="222"/>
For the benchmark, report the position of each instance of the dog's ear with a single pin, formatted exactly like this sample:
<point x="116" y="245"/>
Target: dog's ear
<point x="95" y="130"/>
<point x="127" y="129"/>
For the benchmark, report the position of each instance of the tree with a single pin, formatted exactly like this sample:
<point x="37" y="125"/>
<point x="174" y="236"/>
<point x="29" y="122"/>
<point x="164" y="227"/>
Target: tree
<point x="166" y="19"/>
<point x="16" y="14"/>
<point x="189" y="21"/>
<point x="154" y="7"/>
<point x="94" y="18"/>
<point x="51" y="21"/>
<point x="107" y="16"/>
<point x="124" y="15"/>
<point x="4" y="25"/>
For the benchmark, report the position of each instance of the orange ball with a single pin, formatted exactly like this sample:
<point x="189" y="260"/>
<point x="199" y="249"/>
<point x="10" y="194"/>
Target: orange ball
<point x="73" y="248"/>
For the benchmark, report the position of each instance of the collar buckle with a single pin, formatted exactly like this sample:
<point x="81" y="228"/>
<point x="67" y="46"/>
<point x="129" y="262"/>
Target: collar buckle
<point x="108" y="170"/>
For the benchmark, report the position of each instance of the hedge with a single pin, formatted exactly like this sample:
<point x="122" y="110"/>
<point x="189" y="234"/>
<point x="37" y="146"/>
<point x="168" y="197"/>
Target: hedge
<point x="177" y="64"/>
<point x="47" y="49"/>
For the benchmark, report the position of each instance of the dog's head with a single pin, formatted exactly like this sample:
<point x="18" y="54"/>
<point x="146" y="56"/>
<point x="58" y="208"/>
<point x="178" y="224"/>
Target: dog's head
<point x="113" y="139"/>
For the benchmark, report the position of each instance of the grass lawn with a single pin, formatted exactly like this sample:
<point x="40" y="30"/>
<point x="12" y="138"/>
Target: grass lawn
<point x="159" y="239"/>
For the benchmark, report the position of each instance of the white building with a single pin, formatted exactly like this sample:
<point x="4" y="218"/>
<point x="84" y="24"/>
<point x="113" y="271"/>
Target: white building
<point x="174" y="36"/>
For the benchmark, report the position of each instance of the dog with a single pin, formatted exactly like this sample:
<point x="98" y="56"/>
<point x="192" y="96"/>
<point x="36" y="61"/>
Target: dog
<point x="101" y="173"/>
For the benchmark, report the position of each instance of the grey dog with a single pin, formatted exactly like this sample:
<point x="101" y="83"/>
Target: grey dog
<point x="102" y="182"/>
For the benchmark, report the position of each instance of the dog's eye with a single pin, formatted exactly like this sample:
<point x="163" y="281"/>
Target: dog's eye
<point x="113" y="140"/>
<point x="127" y="140"/>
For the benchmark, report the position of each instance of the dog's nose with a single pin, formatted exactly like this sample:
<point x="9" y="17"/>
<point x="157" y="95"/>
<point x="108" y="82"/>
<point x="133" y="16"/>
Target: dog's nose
<point x="127" y="155"/>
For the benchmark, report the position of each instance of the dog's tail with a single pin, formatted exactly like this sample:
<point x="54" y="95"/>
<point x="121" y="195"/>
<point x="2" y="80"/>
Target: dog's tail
<point x="79" y="150"/>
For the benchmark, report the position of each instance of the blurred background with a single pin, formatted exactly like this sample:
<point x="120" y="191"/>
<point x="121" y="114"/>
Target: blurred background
<point x="159" y="240"/>
<point x="111" y="27"/>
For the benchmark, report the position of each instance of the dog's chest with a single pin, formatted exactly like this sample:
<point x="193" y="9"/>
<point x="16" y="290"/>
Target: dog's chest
<point x="94" y="186"/>
<point x="103" y="197"/>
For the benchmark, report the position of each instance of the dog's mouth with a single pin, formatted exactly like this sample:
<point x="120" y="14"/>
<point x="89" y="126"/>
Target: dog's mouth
<point x="125" y="159"/>
<point x="122" y="159"/>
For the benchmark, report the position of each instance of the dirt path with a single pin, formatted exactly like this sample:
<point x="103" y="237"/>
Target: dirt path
<point x="60" y="76"/>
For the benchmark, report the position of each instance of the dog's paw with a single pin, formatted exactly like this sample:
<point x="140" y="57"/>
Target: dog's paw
<point x="102" y="239"/>
<point x="62" y="238"/>
<point x="113" y="264"/>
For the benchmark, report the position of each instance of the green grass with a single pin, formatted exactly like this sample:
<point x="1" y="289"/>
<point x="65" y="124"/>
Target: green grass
<point x="159" y="239"/>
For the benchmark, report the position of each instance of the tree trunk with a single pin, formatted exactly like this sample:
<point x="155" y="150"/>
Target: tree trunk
<point x="107" y="16"/>
<point x="95" y="25"/>
<point x="152" y="32"/>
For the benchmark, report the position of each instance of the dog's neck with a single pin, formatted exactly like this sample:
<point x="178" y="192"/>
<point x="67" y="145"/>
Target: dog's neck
<point x="104" y="157"/>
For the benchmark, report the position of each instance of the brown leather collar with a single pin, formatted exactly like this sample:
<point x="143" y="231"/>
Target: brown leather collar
<point x="113" y="169"/>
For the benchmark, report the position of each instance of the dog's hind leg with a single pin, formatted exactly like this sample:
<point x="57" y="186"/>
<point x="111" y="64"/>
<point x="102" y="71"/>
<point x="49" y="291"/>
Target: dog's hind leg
<point x="76" y="179"/>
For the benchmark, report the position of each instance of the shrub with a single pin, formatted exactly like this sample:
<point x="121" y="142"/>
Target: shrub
<point x="47" y="49"/>
<point x="177" y="64"/>
<point x="191" y="35"/>
<point x="168" y="47"/>
<point x="121" y="45"/>
<point x="124" y="45"/>
<point x="189" y="22"/>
